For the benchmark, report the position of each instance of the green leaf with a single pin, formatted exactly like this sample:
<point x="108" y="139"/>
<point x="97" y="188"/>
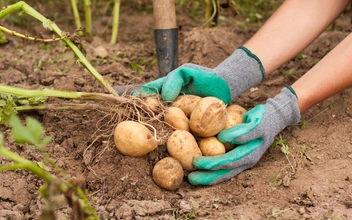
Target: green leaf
<point x="285" y="150"/>
<point x="34" y="128"/>
<point x="278" y="182"/>
<point x="135" y="67"/>
<point x="7" y="108"/>
<point x="301" y="56"/>
<point x="37" y="100"/>
<point x="26" y="134"/>
<point x="23" y="102"/>
<point x="46" y="141"/>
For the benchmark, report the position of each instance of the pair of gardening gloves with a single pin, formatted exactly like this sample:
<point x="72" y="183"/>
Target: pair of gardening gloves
<point x="236" y="74"/>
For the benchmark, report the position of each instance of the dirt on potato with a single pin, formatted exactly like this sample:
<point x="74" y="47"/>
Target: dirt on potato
<point x="314" y="181"/>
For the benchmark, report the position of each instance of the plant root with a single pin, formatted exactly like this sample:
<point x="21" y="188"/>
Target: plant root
<point x="135" y="109"/>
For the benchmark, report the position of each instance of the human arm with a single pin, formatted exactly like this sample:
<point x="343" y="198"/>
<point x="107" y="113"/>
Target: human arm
<point x="291" y="29"/>
<point x="328" y="77"/>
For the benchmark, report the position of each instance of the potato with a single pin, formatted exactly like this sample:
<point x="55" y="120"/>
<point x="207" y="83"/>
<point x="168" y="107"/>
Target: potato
<point x="235" y="114"/>
<point x="168" y="173"/>
<point x="176" y="118"/>
<point x="133" y="139"/>
<point x="186" y="103"/>
<point x="211" y="146"/>
<point x="208" y="117"/>
<point x="182" y="146"/>
<point x="153" y="103"/>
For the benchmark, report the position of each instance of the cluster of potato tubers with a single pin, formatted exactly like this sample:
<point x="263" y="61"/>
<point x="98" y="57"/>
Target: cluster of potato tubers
<point x="196" y="122"/>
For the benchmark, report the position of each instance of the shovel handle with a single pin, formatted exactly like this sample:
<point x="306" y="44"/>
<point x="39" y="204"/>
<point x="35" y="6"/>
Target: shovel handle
<point x="164" y="14"/>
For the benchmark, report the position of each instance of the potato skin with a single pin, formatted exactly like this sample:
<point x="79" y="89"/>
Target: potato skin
<point x="186" y="103"/>
<point x="182" y="146"/>
<point x="235" y="114"/>
<point x="133" y="139"/>
<point x="211" y="146"/>
<point x="168" y="173"/>
<point x="208" y="117"/>
<point x="153" y="103"/>
<point x="176" y="118"/>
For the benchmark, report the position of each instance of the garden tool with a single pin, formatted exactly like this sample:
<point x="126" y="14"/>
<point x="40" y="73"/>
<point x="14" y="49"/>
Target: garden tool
<point x="166" y="41"/>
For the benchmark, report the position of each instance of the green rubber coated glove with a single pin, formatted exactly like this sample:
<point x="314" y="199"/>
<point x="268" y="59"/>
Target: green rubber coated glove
<point x="236" y="74"/>
<point x="189" y="79"/>
<point x="254" y="136"/>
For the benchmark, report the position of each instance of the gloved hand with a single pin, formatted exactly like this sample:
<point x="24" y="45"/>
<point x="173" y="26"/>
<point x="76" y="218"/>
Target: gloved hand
<point x="236" y="74"/>
<point x="254" y="136"/>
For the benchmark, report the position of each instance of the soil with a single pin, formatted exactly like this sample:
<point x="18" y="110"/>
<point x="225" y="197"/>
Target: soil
<point x="314" y="181"/>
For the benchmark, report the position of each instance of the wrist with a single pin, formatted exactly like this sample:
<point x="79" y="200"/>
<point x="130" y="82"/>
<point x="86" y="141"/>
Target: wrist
<point x="252" y="55"/>
<point x="241" y="70"/>
<point x="286" y="104"/>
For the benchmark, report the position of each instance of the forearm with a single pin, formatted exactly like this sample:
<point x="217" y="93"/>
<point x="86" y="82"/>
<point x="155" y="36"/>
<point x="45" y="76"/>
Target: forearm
<point x="331" y="75"/>
<point x="291" y="29"/>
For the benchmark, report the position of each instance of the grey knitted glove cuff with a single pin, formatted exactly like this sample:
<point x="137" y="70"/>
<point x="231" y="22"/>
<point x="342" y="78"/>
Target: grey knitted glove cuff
<point x="241" y="70"/>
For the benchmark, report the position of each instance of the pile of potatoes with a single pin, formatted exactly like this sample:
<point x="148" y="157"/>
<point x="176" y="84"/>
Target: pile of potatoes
<point x="196" y="122"/>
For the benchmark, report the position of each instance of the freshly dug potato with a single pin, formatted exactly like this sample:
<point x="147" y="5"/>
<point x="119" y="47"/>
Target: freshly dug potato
<point x="186" y="103"/>
<point x="211" y="146"/>
<point x="182" y="146"/>
<point x="235" y="115"/>
<point x="133" y="139"/>
<point x="176" y="118"/>
<point x="153" y="103"/>
<point x="208" y="117"/>
<point x="168" y="173"/>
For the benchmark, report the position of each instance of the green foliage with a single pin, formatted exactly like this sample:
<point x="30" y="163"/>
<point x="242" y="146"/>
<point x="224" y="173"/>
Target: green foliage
<point x="8" y="104"/>
<point x="284" y="149"/>
<point x="31" y="133"/>
<point x="276" y="180"/>
<point x="3" y="39"/>
<point x="194" y="9"/>
<point x="301" y="56"/>
<point x="279" y="141"/>
<point x="256" y="10"/>
<point x="252" y="10"/>
<point x="135" y="66"/>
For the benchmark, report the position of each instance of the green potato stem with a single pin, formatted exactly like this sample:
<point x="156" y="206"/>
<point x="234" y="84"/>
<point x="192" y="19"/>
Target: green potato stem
<point x="115" y="23"/>
<point x="88" y="15"/>
<point x="11" y="90"/>
<point x="76" y="14"/>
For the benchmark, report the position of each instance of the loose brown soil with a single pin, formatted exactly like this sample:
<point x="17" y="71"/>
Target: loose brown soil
<point x="316" y="176"/>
